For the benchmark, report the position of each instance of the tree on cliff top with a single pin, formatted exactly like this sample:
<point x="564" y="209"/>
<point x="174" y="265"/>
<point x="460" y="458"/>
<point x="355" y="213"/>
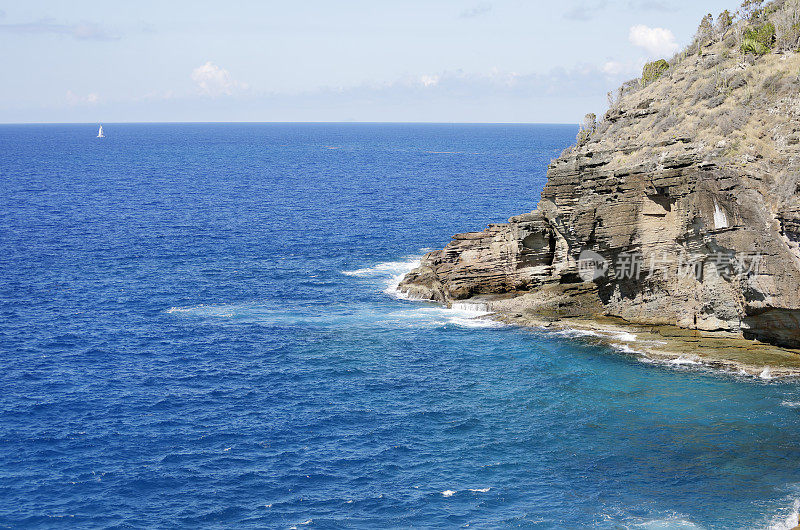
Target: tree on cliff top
<point x="705" y="32"/>
<point x="751" y="8"/>
<point x="724" y="21"/>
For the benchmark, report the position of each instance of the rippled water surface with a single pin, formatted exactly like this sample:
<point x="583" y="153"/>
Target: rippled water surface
<point x="196" y="329"/>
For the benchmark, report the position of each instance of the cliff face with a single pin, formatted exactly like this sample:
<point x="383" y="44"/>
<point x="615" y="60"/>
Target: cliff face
<point x="681" y="207"/>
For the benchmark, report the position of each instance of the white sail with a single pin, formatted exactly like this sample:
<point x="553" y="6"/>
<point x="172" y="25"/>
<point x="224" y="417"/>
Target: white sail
<point x="100" y="133"/>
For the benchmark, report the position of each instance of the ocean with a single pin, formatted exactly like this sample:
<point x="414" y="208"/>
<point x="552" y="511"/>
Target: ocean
<point x="198" y="328"/>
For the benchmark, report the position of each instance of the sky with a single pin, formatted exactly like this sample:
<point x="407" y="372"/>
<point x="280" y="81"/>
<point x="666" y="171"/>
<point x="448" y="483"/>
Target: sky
<point x="509" y="61"/>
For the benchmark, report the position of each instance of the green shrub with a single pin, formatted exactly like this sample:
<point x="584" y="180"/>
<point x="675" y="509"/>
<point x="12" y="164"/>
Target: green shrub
<point x="759" y="40"/>
<point x="753" y="46"/>
<point x="653" y="71"/>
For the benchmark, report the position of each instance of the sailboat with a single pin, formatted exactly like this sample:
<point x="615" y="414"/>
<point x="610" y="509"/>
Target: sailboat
<point x="100" y="133"/>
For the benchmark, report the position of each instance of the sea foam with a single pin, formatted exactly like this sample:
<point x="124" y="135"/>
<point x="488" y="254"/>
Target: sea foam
<point x="390" y="273"/>
<point x="787" y="521"/>
<point x="684" y="361"/>
<point x="211" y="310"/>
<point x="431" y="317"/>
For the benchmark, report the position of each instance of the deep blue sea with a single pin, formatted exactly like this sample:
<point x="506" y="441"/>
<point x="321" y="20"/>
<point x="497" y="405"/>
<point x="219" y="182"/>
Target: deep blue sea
<point x="197" y="330"/>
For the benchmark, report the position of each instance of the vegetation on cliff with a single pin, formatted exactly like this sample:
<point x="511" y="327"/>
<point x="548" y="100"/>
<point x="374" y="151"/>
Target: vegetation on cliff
<point x="718" y="89"/>
<point x="759" y="39"/>
<point x="653" y="71"/>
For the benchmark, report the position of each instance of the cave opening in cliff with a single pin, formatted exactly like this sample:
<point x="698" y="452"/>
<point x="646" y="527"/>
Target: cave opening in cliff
<point x="541" y="248"/>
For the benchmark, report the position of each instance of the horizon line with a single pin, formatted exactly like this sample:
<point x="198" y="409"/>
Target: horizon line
<point x="348" y="122"/>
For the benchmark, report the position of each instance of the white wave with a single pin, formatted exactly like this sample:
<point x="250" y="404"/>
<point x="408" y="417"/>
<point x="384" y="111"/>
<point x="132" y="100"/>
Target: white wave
<point x="623" y="336"/>
<point x="616" y="517"/>
<point x="270" y="314"/>
<point x="668" y="524"/>
<point x="442" y="316"/>
<point x="791" y="404"/>
<point x="787" y="521"/>
<point x="393" y="285"/>
<point x="393" y="290"/>
<point x="765" y="374"/>
<point x="574" y="333"/>
<point x="221" y="311"/>
<point x="480" y="490"/>
<point x="624" y="348"/>
<point x="683" y="361"/>
<point x="252" y="312"/>
<point x="464" y="314"/>
<point x="472" y="307"/>
<point x="344" y="315"/>
<point x="391" y="273"/>
<point x="448" y="493"/>
<point x="382" y="269"/>
<point x="474" y="323"/>
<point x="677" y="361"/>
<point x="469" y="315"/>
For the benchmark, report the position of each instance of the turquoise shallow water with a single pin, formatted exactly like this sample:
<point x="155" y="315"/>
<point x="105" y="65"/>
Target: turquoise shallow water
<point x="195" y="331"/>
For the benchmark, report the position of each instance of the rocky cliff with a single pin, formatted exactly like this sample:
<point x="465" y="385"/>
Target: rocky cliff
<point x="680" y="207"/>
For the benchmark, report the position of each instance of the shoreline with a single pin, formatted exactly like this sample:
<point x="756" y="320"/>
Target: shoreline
<point x="724" y="352"/>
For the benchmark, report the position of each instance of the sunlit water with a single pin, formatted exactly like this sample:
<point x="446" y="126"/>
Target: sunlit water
<point x="198" y="328"/>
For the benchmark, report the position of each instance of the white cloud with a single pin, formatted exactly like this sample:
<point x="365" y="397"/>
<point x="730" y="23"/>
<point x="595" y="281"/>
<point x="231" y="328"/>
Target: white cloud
<point x="651" y="5"/>
<point x="156" y="96"/>
<point x="504" y="78"/>
<point x="476" y="11"/>
<point x="618" y="69"/>
<point x="584" y="80"/>
<point x="429" y="80"/>
<point x="586" y="11"/>
<point x="74" y="99"/>
<point x="90" y="31"/>
<point x="613" y="68"/>
<point x="488" y="95"/>
<point x="213" y="81"/>
<point x="80" y="31"/>
<point x="656" y="41"/>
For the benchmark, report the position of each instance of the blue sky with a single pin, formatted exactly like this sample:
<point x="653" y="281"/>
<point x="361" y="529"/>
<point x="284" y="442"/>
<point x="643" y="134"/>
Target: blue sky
<point x="411" y="60"/>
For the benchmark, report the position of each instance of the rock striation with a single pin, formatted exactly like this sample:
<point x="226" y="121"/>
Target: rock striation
<point x="681" y="207"/>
